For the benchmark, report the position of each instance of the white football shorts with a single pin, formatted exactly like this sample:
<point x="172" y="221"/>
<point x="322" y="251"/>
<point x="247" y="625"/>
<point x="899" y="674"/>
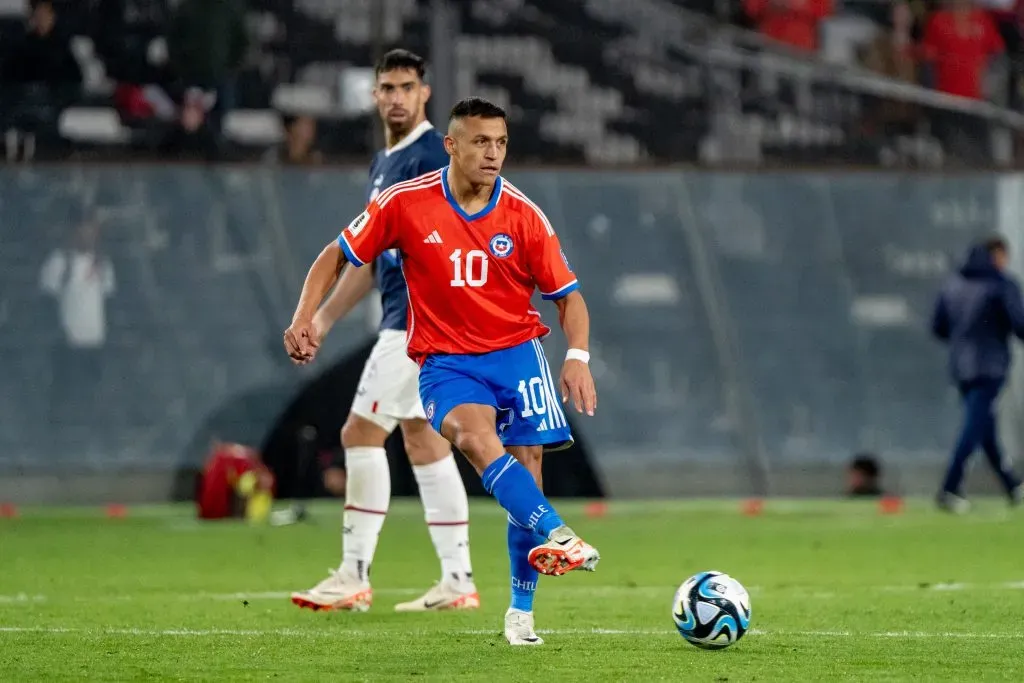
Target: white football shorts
<point x="389" y="388"/>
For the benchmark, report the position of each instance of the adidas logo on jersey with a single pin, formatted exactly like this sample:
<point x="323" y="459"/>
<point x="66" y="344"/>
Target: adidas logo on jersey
<point x="543" y="425"/>
<point x="433" y="238"/>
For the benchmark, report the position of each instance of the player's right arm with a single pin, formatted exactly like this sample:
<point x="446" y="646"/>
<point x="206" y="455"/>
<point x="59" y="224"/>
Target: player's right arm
<point x="353" y="286"/>
<point x="361" y="242"/>
<point x="301" y="339"/>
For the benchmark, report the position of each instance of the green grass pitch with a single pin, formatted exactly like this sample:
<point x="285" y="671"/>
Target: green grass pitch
<point x="839" y="592"/>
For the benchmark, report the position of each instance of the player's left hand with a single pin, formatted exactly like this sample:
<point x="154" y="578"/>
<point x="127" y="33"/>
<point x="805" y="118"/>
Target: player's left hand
<point x="578" y="386"/>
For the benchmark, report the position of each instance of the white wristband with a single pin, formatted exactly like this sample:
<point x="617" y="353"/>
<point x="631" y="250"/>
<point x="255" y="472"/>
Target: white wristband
<point x="578" y="354"/>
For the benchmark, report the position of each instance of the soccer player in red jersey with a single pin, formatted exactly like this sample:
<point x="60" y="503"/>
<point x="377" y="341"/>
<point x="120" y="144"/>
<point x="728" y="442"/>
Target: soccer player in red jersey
<point x="473" y="249"/>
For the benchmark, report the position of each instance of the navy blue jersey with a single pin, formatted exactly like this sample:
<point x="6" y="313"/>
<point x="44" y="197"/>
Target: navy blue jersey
<point x="422" y="151"/>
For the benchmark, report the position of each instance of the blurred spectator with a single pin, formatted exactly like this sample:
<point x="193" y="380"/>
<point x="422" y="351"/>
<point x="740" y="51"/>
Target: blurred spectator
<point x="81" y="278"/>
<point x="793" y="22"/>
<point x="332" y="462"/>
<point x="125" y="33"/>
<point x="977" y="312"/>
<point x="893" y="54"/>
<point x="234" y="483"/>
<point x="192" y="132"/>
<point x="207" y="45"/>
<point x="137" y="103"/>
<point x="39" y="77"/>
<point x="298" y="147"/>
<point x="960" y="42"/>
<point x="863" y="476"/>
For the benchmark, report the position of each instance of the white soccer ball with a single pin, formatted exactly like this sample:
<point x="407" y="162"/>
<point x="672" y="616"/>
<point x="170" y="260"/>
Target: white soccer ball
<point x="711" y="610"/>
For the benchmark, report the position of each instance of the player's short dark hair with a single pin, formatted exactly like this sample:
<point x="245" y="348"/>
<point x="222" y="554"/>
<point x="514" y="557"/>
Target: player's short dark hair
<point x="996" y="244"/>
<point x="477" y="107"/>
<point x="401" y="59"/>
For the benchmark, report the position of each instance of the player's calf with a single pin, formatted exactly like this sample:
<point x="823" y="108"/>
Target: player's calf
<point x="516" y="490"/>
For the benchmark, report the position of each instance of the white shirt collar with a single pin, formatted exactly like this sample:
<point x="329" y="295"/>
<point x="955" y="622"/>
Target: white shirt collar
<point x="412" y="137"/>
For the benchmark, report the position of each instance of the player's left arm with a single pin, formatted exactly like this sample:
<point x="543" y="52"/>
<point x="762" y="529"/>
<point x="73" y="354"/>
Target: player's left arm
<point x="556" y="281"/>
<point x="576" y="381"/>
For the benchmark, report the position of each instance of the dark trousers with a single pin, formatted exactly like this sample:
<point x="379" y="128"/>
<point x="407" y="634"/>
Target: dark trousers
<point x="76" y="377"/>
<point x="979" y="429"/>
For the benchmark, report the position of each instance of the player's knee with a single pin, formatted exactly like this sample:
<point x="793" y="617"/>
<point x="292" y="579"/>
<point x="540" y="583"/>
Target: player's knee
<point x="479" y="446"/>
<point x="358" y="432"/>
<point x="425" y="447"/>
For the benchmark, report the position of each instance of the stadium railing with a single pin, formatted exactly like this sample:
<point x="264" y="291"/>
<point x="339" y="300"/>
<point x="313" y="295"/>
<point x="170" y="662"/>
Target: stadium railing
<point x="768" y="103"/>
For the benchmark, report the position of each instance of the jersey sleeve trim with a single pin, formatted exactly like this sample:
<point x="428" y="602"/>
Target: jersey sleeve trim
<point x="346" y="248"/>
<point x="561" y="292"/>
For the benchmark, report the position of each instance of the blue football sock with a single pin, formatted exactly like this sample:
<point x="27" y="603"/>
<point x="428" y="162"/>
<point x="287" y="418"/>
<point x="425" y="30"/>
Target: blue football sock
<point x="516" y="491"/>
<point x="524" y="577"/>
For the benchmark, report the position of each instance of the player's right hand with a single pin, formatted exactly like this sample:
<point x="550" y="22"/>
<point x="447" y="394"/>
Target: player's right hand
<point x="301" y="341"/>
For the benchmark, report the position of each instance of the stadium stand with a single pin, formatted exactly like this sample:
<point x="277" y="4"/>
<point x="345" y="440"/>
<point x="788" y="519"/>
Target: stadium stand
<point x="587" y="81"/>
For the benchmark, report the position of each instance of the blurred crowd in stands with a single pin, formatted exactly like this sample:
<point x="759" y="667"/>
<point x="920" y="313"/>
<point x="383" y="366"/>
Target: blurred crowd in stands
<point x="171" y="69"/>
<point x="179" y="87"/>
<point x="949" y="45"/>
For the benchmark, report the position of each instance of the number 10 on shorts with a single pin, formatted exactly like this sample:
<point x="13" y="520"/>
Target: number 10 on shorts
<point x="532" y="391"/>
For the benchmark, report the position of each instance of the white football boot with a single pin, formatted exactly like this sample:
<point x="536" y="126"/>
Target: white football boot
<point x="339" y="591"/>
<point x="519" y="628"/>
<point x="950" y="502"/>
<point x="442" y="596"/>
<point x="564" y="552"/>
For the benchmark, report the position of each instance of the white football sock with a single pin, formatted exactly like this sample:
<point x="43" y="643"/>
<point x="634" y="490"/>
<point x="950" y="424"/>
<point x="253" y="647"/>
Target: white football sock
<point x="447" y="514"/>
<point x="367" y="496"/>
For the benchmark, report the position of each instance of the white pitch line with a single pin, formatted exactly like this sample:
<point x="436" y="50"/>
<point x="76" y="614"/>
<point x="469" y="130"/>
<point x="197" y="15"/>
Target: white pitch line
<point x="590" y="590"/>
<point x="21" y="598"/>
<point x="300" y="633"/>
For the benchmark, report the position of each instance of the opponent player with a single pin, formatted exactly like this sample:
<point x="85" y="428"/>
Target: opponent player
<point x="388" y="393"/>
<point x="473" y="249"/>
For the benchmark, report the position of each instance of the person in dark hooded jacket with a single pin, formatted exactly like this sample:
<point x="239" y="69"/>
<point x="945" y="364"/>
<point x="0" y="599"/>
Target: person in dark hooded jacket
<point x="977" y="311"/>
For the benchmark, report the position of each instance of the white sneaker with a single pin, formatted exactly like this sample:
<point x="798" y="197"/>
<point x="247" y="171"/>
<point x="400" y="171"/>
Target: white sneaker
<point x="519" y="628"/>
<point x="564" y="552"/>
<point x="442" y="596"/>
<point x="337" y="592"/>
<point x="950" y="502"/>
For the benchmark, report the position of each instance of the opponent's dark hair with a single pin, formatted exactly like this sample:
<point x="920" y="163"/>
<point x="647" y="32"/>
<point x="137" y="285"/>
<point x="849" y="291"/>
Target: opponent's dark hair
<point x="401" y="59"/>
<point x="996" y="244"/>
<point x="477" y="107"/>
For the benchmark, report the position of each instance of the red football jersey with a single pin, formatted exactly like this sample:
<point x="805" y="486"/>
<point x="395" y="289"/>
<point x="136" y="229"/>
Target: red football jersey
<point x="470" y="277"/>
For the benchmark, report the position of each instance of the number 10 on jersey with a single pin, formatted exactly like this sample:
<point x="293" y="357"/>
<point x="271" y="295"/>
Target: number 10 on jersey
<point x="472" y="271"/>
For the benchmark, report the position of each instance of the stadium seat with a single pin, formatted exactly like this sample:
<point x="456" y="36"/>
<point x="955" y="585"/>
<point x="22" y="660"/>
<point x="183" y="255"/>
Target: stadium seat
<point x="94" y="125"/>
<point x="255" y="127"/>
<point x="156" y="51"/>
<point x="301" y="98"/>
<point x="12" y="8"/>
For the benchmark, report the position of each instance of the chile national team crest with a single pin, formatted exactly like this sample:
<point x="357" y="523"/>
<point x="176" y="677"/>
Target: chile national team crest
<point x="501" y="245"/>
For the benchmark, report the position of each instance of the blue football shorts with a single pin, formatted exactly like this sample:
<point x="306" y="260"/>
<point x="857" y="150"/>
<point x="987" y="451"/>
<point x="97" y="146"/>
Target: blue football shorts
<point x="517" y="382"/>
